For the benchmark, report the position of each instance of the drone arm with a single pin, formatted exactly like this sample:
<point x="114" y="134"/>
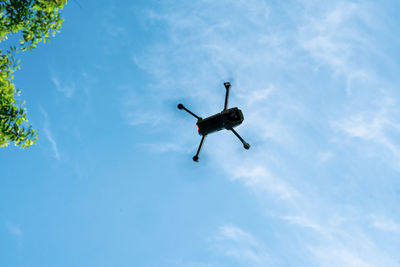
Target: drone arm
<point x="180" y="106"/>
<point x="196" y="157"/>
<point x="245" y="145"/>
<point x="227" y="87"/>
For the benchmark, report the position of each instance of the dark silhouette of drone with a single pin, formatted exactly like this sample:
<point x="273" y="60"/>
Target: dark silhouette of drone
<point x="226" y="119"/>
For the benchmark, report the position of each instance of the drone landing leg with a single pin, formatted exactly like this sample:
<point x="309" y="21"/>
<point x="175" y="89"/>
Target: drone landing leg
<point x="227" y="86"/>
<point x="196" y="157"/>
<point x="180" y="106"/>
<point x="245" y="145"/>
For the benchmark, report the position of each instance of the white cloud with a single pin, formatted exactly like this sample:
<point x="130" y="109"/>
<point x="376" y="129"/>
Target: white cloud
<point x="237" y="235"/>
<point x="67" y="90"/>
<point x="49" y="135"/>
<point x="385" y="224"/>
<point x="332" y="39"/>
<point x="325" y="156"/>
<point x="166" y="147"/>
<point x="259" y="178"/>
<point x="337" y="241"/>
<point x="272" y="64"/>
<point x="109" y="23"/>
<point x="137" y="111"/>
<point x="333" y="257"/>
<point x="378" y="125"/>
<point x="257" y="95"/>
<point x="236" y="243"/>
<point x="14" y="230"/>
<point x="302" y="222"/>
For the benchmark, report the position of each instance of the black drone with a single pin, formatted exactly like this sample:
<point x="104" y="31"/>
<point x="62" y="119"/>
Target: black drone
<point x="226" y="119"/>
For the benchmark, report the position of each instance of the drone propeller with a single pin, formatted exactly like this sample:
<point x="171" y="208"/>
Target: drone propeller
<point x="227" y="87"/>
<point x="180" y="106"/>
<point x="245" y="144"/>
<point x="196" y="157"/>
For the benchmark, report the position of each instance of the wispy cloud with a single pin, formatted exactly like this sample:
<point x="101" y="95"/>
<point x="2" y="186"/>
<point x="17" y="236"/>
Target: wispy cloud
<point x="325" y="156"/>
<point x="332" y="38"/>
<point x="378" y="125"/>
<point x="274" y="55"/>
<point x="302" y="221"/>
<point x="259" y="178"/>
<point x="241" y="245"/>
<point x="165" y="147"/>
<point x="339" y="241"/>
<point x="385" y="224"/>
<point x="49" y="135"/>
<point x="334" y="256"/>
<point x="109" y="22"/>
<point x="67" y="90"/>
<point x="14" y="230"/>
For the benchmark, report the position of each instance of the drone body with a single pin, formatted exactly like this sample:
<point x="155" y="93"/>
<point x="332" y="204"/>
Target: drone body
<point x="226" y="119"/>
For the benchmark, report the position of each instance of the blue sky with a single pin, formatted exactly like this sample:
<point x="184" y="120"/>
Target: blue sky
<point x="111" y="181"/>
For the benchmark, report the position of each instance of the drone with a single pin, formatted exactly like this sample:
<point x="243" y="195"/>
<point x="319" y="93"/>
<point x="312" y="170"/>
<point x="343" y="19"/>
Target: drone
<point x="226" y="119"/>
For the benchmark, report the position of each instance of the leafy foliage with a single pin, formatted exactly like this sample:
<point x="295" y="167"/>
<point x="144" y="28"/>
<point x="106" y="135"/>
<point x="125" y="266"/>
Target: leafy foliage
<point x="35" y="21"/>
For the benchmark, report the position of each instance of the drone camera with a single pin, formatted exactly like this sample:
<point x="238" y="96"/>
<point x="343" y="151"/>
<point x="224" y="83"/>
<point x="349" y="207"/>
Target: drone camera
<point x="232" y="117"/>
